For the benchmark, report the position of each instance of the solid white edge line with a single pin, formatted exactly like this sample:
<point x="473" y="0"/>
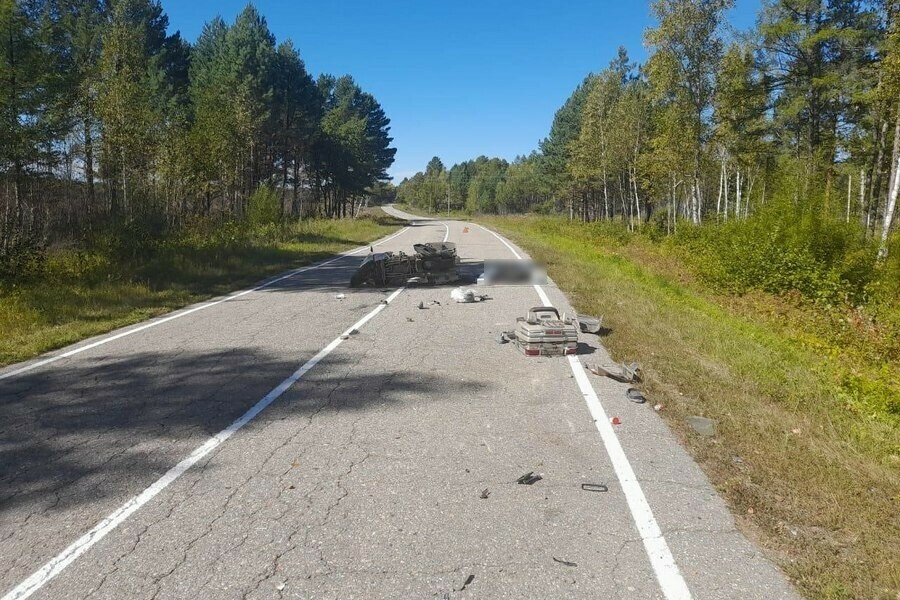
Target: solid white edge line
<point x="62" y="560"/>
<point x="183" y="313"/>
<point x="671" y="582"/>
<point x="446" y="232"/>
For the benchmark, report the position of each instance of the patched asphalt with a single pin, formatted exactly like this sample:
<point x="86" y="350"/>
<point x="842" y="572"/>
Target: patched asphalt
<point x="366" y="478"/>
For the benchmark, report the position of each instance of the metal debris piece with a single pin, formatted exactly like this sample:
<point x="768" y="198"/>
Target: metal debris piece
<point x="589" y="324"/>
<point x="626" y="373"/>
<point x="485" y="493"/>
<point x="528" y="478"/>
<point x="594" y="487"/>
<point x="635" y="395"/>
<point x="568" y="563"/>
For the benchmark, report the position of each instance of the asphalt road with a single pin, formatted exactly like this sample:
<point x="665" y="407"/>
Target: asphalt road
<point x="133" y="469"/>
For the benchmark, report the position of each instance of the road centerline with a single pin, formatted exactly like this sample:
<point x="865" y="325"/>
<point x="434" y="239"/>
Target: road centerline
<point x="62" y="560"/>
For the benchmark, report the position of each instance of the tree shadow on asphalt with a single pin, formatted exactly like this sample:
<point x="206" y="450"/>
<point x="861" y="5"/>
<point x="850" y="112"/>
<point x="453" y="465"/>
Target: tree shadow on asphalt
<point x="108" y="427"/>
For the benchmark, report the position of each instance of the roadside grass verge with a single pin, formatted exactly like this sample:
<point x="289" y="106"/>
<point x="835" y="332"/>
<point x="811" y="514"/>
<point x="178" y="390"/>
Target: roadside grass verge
<point x="80" y="293"/>
<point x="809" y="466"/>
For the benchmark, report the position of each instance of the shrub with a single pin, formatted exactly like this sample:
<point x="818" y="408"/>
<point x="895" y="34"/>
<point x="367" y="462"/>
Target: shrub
<point x="264" y="207"/>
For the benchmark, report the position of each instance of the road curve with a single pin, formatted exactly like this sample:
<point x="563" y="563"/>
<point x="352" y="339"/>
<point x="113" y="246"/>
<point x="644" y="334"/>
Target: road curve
<point x="382" y="465"/>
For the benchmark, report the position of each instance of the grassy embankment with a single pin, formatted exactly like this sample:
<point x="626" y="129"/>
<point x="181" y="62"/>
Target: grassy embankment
<point x="807" y="398"/>
<point x="79" y="293"/>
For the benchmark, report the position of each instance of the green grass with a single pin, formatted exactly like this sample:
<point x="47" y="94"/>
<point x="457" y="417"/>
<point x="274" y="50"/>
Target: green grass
<point x="77" y="294"/>
<point x="807" y="452"/>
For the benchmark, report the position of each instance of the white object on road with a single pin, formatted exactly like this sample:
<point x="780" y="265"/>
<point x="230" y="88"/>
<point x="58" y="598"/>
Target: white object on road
<point x="462" y="296"/>
<point x="341" y="296"/>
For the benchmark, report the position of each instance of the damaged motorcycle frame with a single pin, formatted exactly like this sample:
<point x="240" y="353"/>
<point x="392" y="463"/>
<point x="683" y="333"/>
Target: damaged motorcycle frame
<point x="434" y="263"/>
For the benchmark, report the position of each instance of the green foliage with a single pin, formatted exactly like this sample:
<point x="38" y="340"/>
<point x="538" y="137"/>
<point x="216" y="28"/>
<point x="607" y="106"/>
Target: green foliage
<point x="264" y="207"/>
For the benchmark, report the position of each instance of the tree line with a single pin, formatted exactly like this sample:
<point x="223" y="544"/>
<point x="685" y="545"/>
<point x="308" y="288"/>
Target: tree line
<point x="801" y="113"/>
<point x="108" y="122"/>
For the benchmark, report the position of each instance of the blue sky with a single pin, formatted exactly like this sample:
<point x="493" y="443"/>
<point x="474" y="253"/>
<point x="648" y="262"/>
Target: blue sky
<point x="457" y="79"/>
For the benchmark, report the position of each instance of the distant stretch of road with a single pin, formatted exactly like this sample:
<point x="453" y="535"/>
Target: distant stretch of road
<point x="245" y="448"/>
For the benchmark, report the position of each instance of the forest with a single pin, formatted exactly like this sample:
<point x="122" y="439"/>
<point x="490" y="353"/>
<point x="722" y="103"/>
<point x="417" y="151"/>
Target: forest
<point x="115" y="132"/>
<point x="774" y="150"/>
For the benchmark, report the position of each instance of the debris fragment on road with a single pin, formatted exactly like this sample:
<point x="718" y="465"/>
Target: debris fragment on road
<point x="615" y="421"/>
<point x="594" y="487"/>
<point x="340" y="296"/>
<point x="623" y="373"/>
<point x="567" y="563"/>
<point x="485" y="493"/>
<point x="462" y="296"/>
<point x="635" y="395"/>
<point x="421" y="305"/>
<point x="589" y="324"/>
<point x="543" y="333"/>
<point x="466" y="583"/>
<point x="528" y="478"/>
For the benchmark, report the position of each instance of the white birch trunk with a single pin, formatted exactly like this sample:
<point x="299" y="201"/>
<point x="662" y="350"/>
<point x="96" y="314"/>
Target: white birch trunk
<point x="891" y="205"/>
<point x="893" y="187"/>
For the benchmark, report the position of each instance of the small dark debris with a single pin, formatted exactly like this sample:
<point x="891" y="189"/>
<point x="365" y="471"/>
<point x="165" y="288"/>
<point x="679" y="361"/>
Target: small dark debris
<point x="435" y="302"/>
<point x="594" y="487"/>
<point x="635" y="395"/>
<point x="421" y="305"/>
<point x="565" y="562"/>
<point x="468" y="580"/>
<point x="485" y="493"/>
<point x="409" y="319"/>
<point x="528" y="478"/>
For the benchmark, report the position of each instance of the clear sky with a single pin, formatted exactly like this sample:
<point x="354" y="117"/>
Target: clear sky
<point x="460" y="78"/>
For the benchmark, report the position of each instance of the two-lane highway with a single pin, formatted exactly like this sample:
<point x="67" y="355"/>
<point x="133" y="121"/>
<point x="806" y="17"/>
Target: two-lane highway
<point x="246" y="450"/>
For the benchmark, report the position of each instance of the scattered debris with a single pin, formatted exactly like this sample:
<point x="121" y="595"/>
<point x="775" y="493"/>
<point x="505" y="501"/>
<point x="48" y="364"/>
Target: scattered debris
<point x="421" y="305"/>
<point x="589" y="324"/>
<point x="750" y="511"/>
<point x="626" y="373"/>
<point x="468" y="580"/>
<point x="345" y="336"/>
<point x="465" y="230"/>
<point x="615" y="421"/>
<point x="462" y="296"/>
<point x="281" y="586"/>
<point x="658" y="407"/>
<point x="353" y="331"/>
<point x="410" y="319"/>
<point x="384" y="301"/>
<point x="501" y="338"/>
<point x="594" y="487"/>
<point x="702" y="425"/>
<point x="567" y="563"/>
<point x="485" y="493"/>
<point x="635" y="395"/>
<point x="528" y="478"/>
<point x="341" y="296"/>
<point x="796" y="431"/>
<point x="435" y="302"/>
